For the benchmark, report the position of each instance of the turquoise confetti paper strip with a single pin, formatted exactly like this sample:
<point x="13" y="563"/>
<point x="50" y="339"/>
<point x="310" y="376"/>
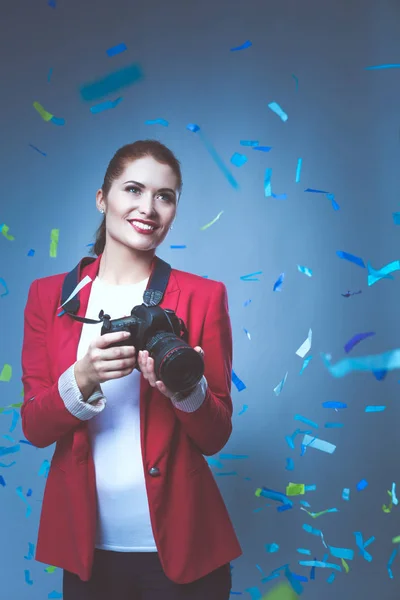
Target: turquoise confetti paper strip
<point x="396" y="218"/>
<point x="318" y="563"/>
<point x="279" y="387"/>
<point x="254" y="593"/>
<point x="362" y="546"/>
<point x="306" y="421"/>
<point x="384" y="273"/>
<point x="312" y="530"/>
<point x="111" y="83"/>
<point x="346" y="494"/>
<point x="298" y="169"/>
<point x="388" y="361"/>
<point x="351" y="258"/>
<point x="162" y="122"/>
<point x="225" y="456"/>
<point x="274" y="106"/>
<point x="107" y="105"/>
<point x="218" y="160"/>
<point x="304" y="551"/>
<point x="345" y="553"/>
<point x="267" y="183"/>
<point x="385" y="66"/>
<point x="305" y="270"/>
<point x="391" y="559"/>
<point x="318" y="444"/>
<point x="305" y="364"/>
<point x="238" y="159"/>
<point x="289" y="464"/>
<point x="271" y="547"/>
<point x="370" y="409"/>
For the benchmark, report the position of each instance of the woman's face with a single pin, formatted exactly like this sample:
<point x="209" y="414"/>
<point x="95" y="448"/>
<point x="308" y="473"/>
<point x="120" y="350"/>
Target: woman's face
<point x="147" y="190"/>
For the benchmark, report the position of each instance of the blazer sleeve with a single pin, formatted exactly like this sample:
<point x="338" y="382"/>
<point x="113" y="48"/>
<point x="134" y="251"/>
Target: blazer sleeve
<point x="45" y="417"/>
<point x="210" y="426"/>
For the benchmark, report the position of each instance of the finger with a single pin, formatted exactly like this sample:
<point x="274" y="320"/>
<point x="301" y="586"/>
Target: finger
<point x="152" y="375"/>
<point x="109" y="338"/>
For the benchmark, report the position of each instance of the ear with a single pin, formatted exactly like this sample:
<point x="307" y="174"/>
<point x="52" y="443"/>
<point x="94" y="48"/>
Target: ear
<point x="100" y="200"/>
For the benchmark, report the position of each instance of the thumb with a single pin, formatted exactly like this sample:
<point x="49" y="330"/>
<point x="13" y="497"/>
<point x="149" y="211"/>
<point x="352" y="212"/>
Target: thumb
<point x="199" y="350"/>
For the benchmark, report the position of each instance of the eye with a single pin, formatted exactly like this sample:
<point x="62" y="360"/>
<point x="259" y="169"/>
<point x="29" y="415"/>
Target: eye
<point x="166" y="197"/>
<point x="133" y="188"/>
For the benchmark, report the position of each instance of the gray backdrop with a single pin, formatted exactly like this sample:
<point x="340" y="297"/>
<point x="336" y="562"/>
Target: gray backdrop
<point x="344" y="123"/>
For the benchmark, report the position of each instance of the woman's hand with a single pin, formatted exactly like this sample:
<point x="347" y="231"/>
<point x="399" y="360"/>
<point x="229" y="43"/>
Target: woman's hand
<point x="146" y="365"/>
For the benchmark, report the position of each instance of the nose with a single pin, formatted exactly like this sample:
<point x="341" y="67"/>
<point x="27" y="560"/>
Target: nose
<point x="146" y="206"/>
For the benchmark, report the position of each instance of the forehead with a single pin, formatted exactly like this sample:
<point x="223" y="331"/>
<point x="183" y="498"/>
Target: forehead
<point x="150" y="172"/>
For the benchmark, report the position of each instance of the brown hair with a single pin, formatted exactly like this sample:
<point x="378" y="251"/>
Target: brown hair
<point x="118" y="163"/>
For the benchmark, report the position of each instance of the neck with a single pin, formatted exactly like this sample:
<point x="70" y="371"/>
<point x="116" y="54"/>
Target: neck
<point x="124" y="266"/>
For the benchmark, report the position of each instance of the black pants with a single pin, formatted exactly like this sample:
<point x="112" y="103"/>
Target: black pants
<point x="140" y="576"/>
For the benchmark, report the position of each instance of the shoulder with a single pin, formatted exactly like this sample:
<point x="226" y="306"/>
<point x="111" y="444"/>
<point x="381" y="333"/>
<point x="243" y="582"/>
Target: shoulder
<point x="190" y="281"/>
<point x="45" y="291"/>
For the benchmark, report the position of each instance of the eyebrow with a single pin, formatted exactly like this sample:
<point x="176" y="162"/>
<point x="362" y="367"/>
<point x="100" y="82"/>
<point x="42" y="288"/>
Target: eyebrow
<point x="143" y="187"/>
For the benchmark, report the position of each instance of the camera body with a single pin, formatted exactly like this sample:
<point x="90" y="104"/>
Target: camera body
<point x="165" y="337"/>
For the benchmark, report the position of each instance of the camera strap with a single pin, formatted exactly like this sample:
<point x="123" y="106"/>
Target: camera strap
<point x="152" y="296"/>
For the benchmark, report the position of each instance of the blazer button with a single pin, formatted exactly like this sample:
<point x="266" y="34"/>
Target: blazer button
<point x="154" y="471"/>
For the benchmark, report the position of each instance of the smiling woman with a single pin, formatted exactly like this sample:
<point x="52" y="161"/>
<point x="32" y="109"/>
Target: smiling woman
<point x="117" y="481"/>
<point x="141" y="189"/>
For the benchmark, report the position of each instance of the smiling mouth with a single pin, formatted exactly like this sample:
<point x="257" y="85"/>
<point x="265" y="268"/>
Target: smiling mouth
<point x="142" y="227"/>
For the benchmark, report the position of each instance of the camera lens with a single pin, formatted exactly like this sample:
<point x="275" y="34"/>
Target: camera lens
<point x="176" y="363"/>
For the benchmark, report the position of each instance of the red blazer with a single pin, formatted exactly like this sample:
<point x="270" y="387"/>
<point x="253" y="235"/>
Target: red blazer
<point x="191" y="526"/>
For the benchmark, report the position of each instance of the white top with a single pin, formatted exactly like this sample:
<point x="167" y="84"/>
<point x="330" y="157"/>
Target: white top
<point x="123" y="513"/>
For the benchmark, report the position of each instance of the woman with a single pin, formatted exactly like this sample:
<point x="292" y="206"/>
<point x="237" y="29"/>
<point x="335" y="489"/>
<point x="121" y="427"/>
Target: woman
<point x="131" y="506"/>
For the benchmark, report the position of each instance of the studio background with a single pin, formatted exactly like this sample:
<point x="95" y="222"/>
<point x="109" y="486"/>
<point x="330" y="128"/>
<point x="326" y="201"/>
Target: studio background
<point x="343" y="122"/>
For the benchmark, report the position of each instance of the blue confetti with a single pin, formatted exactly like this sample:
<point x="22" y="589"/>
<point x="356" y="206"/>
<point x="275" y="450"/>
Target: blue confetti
<point x="396" y="218"/>
<point x="361" y="485"/>
<point x="116" y="49"/>
<point x="335" y="405"/>
<point x="278" y="283"/>
<point x="111" y="83"/>
<point x="385" y="66"/>
<point x="238" y="383"/>
<point x="350" y="257"/>
<point x="37" y="150"/>
<point x="238" y="159"/>
<point x="193" y="127"/>
<point x="298" y="169"/>
<point x="271" y="548"/>
<point x="306" y="421"/>
<point x="242" y="47"/>
<point x="107" y="105"/>
<point x="162" y="122"/>
<point x="373" y="409"/>
<point x="274" y="106"/>
<point x="289" y="464"/>
<point x="262" y="148"/>
<point x="214" y="155"/>
<point x="267" y="183"/>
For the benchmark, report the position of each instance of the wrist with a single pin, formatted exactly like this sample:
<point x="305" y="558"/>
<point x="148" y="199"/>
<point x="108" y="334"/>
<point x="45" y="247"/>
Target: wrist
<point x="86" y="387"/>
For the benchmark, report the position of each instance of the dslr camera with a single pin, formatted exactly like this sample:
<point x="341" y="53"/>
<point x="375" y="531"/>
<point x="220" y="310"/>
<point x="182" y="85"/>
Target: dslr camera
<point x="165" y="337"/>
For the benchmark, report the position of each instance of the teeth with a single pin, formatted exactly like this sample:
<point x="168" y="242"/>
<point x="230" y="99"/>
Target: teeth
<point x="142" y="225"/>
